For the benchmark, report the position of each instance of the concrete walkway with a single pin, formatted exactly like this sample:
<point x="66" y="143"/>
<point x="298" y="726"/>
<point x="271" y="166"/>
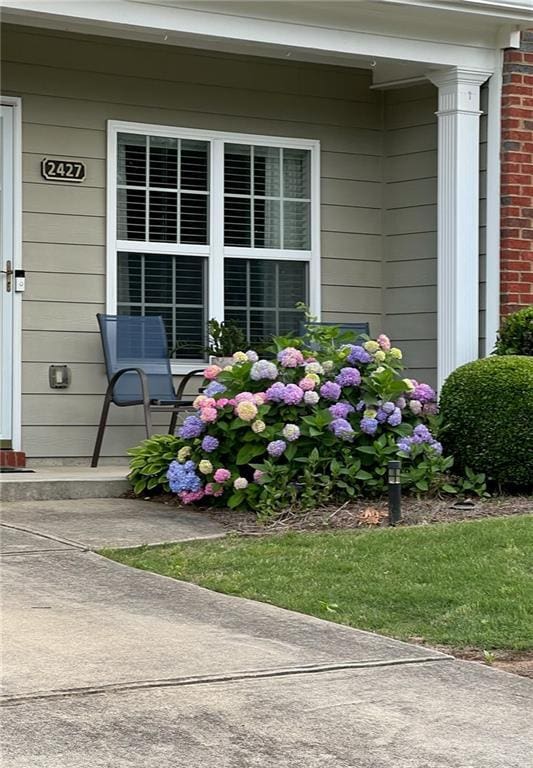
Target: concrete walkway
<point x="109" y="666"/>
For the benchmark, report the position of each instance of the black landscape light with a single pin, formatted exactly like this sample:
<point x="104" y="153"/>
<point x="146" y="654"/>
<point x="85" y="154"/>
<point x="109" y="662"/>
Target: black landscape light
<point x="395" y="492"/>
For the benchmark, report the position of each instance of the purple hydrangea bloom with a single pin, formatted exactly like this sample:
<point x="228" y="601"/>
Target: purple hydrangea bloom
<point x="368" y="426"/>
<point x="263" y="369"/>
<point x="395" y="418"/>
<point x="424" y="393"/>
<point x="430" y="409"/>
<point x="182" y="477"/>
<point x="348" y="377"/>
<point x="193" y="426"/>
<point x="401" y="403"/>
<point x="381" y="415"/>
<point x="275" y="393"/>
<point x="210" y="443"/>
<point x="358" y="355"/>
<point x="340" y="410"/>
<point x="415" y="406"/>
<point x="361" y="405"/>
<point x="276" y="448"/>
<point x="388" y="407"/>
<point x="342" y="429"/>
<point x="214" y="388"/>
<point x="330" y="390"/>
<point x="421" y="436"/>
<point x="293" y="394"/>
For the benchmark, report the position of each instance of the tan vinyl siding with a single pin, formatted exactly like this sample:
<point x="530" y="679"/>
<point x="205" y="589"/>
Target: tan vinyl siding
<point x="410" y="226"/>
<point x="71" y="85"/>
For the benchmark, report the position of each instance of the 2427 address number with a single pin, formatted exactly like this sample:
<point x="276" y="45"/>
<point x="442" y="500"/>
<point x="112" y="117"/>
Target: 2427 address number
<point x="62" y="170"/>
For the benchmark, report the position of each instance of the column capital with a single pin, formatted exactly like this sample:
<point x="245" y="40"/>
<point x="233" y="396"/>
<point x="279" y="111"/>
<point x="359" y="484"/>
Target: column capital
<point x="458" y="88"/>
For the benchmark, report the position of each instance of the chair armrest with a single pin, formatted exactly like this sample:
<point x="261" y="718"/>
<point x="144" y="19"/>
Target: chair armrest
<point x="142" y="377"/>
<point x="185" y="380"/>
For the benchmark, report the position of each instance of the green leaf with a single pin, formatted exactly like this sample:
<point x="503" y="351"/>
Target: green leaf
<point x="139" y="487"/>
<point x="366" y="449"/>
<point x="448" y="488"/>
<point x="249" y="452"/>
<point x="235" y="499"/>
<point x="362" y="475"/>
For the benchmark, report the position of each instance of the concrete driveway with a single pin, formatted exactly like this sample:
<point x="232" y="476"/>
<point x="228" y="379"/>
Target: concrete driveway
<point x="108" y="666"/>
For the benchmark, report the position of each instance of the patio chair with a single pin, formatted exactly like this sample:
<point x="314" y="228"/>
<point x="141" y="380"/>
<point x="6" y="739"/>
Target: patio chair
<point x="358" y="329"/>
<point x="138" y="371"/>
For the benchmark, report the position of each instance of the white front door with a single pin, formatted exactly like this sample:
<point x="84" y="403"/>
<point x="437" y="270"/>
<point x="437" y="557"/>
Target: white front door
<point x="7" y="286"/>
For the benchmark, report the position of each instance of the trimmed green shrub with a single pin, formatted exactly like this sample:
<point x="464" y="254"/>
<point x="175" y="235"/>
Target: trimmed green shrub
<point x="486" y="408"/>
<point x="516" y="334"/>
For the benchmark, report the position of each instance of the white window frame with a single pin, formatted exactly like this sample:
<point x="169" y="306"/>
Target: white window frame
<point x="216" y="251"/>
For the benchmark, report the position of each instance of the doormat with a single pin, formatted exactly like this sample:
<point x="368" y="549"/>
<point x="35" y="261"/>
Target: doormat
<point x="5" y="470"/>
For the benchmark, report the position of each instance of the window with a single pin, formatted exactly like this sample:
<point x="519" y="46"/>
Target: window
<point x="204" y="225"/>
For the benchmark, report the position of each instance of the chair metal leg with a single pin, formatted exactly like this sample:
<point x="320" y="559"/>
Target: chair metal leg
<point x="101" y="427"/>
<point x="147" y="418"/>
<point x="173" y="422"/>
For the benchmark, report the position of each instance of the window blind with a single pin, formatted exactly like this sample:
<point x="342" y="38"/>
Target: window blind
<point x="267" y="197"/>
<point x="162" y="189"/>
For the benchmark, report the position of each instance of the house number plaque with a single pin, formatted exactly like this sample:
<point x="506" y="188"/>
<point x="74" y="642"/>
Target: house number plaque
<point x="62" y="170"/>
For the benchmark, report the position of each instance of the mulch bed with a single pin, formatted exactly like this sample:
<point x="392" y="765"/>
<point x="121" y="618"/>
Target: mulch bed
<point x="363" y="514"/>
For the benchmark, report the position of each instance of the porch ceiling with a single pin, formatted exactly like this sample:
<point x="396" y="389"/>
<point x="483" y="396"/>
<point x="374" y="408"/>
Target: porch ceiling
<point x="400" y="40"/>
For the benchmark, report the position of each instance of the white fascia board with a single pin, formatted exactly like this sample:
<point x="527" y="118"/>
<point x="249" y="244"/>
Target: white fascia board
<point x="509" y="11"/>
<point x="159" y="23"/>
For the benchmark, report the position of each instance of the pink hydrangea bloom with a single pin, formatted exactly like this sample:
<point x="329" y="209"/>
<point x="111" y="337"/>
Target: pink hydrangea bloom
<point x="307" y="383"/>
<point x="290" y="357"/>
<point x="384" y="342"/>
<point x="208" y="415"/>
<point x="258" y="474"/>
<point x="242" y="396"/>
<point x="221" y="475"/>
<point x="260" y="398"/>
<point x="212" y="371"/>
<point x="222" y="402"/>
<point x="209" y="490"/>
<point x="189" y="497"/>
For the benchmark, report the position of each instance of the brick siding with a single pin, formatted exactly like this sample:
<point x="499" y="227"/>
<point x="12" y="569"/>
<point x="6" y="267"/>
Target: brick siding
<point x="517" y="178"/>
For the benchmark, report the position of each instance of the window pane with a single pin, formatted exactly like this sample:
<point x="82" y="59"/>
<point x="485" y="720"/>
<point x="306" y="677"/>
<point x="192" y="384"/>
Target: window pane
<point x="193" y="219"/>
<point x="158" y="279"/>
<point x="189" y="282"/>
<point x="163" y="162"/>
<point x="292" y="283"/>
<point x="262" y="291"/>
<point x="194" y="165"/>
<point x="131" y="160"/>
<point x="237" y="169"/>
<point x="297" y="173"/>
<point x="267" y="224"/>
<point x="173" y="287"/>
<point x="290" y="322"/>
<point x="129" y="278"/>
<point x="237" y="221"/>
<point x="235" y="282"/>
<point x="266" y="171"/>
<point x="131" y="214"/>
<point x="296" y="225"/>
<point x="163" y="216"/>
<point x="256" y="298"/>
<point x="262" y="326"/>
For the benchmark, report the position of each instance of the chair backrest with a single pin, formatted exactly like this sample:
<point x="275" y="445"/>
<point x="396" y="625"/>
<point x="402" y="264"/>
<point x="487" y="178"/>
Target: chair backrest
<point x="133" y="341"/>
<point x="356" y="329"/>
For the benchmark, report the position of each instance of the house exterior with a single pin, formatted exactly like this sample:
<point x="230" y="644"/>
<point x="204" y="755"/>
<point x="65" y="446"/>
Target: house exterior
<point x="229" y="159"/>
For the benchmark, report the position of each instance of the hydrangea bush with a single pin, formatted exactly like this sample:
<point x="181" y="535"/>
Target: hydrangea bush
<point x="317" y="423"/>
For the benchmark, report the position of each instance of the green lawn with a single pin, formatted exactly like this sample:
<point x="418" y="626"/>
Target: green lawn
<point x="459" y="584"/>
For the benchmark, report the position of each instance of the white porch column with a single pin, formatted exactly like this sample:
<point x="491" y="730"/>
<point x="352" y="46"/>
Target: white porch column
<point x="458" y="217"/>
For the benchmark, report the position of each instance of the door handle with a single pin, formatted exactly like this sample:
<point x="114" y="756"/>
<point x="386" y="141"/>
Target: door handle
<point x="8" y="272"/>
